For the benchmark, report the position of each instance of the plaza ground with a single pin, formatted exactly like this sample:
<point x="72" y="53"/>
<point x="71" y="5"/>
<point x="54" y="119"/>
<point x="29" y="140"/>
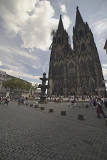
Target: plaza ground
<point x="28" y="133"/>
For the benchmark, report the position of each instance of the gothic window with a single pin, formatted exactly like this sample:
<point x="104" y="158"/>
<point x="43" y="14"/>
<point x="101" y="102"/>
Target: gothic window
<point x="71" y="70"/>
<point x="83" y="48"/>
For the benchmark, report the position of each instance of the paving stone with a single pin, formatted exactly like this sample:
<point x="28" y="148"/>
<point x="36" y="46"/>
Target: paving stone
<point x="29" y="133"/>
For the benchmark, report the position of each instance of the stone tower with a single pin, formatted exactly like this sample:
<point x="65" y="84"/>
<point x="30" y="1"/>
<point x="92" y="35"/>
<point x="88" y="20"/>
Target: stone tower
<point x="76" y="71"/>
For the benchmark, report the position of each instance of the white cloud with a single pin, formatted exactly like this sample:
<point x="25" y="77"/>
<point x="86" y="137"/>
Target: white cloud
<point x="66" y="21"/>
<point x="15" y="51"/>
<point x="63" y="8"/>
<point x="20" y="74"/>
<point x="0" y="63"/>
<point x="104" y="65"/>
<point x="17" y="62"/>
<point x="105" y="73"/>
<point x="36" y="31"/>
<point x="100" y="27"/>
<point x="33" y="19"/>
<point x="15" y="13"/>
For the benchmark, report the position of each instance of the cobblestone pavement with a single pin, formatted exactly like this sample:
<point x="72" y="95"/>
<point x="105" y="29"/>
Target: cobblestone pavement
<point x="28" y="133"/>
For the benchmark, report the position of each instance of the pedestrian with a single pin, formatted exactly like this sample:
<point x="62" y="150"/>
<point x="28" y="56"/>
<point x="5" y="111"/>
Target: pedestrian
<point x="69" y="103"/>
<point x="7" y="100"/>
<point x="100" y="109"/>
<point x="19" y="100"/>
<point x="94" y="102"/>
<point x="91" y="102"/>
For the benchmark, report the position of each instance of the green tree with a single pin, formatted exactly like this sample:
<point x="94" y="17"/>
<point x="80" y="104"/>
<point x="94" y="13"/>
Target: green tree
<point x="17" y="84"/>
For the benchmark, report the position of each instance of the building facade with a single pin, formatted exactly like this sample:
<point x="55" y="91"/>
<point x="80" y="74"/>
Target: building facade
<point x="13" y="93"/>
<point x="77" y="70"/>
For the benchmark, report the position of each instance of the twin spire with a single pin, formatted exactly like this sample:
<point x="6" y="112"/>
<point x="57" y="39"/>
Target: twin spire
<point x="78" y="21"/>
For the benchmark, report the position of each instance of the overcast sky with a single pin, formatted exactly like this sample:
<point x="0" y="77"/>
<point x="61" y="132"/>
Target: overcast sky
<point x="25" y="27"/>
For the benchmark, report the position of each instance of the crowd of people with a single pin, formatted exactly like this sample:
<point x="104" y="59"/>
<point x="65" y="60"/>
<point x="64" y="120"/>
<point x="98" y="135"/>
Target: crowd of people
<point x="98" y="103"/>
<point x="94" y="102"/>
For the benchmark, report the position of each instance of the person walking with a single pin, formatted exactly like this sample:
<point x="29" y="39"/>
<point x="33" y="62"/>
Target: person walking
<point x="100" y="109"/>
<point x="19" y="100"/>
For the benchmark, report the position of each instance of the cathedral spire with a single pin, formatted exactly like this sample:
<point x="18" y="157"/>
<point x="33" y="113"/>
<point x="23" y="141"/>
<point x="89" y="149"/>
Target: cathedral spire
<point x="79" y="19"/>
<point x="60" y="26"/>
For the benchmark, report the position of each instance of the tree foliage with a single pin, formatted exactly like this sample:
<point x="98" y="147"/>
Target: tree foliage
<point x="17" y="84"/>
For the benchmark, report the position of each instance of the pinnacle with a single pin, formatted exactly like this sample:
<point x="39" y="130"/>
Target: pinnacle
<point x="60" y="26"/>
<point x="79" y="19"/>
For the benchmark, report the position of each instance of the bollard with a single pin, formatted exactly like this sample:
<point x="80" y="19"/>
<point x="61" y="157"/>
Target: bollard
<point x="27" y="104"/>
<point x="50" y="110"/>
<point x="36" y="106"/>
<point x="80" y="117"/>
<point x="87" y="106"/>
<point x="42" y="108"/>
<point x="31" y="105"/>
<point x="63" y="113"/>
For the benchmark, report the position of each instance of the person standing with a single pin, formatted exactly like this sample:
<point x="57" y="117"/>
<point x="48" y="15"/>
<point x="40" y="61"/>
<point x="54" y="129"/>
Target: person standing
<point x="8" y="100"/>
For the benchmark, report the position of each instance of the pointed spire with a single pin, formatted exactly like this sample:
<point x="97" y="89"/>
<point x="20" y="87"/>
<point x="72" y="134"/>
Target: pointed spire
<point x="79" y="19"/>
<point x="87" y="27"/>
<point x="60" y="26"/>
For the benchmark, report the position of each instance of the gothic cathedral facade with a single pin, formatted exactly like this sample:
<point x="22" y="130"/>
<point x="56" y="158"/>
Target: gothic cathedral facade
<point x="78" y="70"/>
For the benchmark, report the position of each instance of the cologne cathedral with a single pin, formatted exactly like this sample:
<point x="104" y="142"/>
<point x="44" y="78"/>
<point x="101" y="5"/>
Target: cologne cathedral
<point x="74" y="71"/>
